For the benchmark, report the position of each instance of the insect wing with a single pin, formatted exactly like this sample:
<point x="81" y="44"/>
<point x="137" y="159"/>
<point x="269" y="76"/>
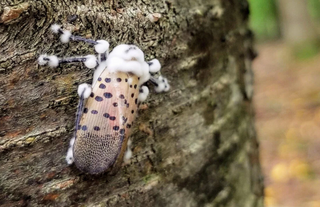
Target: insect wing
<point x="106" y="121"/>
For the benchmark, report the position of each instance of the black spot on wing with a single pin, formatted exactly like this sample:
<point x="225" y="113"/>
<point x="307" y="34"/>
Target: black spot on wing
<point x="102" y="86"/>
<point x="98" y="98"/>
<point x="107" y="95"/>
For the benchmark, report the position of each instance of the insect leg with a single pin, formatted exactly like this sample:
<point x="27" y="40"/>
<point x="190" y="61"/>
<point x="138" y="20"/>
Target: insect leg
<point x="69" y="157"/>
<point x="100" y="46"/>
<point x="143" y="93"/>
<point x="161" y="84"/>
<point x="128" y="154"/>
<point x="90" y="61"/>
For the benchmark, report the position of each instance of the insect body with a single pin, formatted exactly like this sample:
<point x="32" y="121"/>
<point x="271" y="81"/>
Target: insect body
<point x="107" y="109"/>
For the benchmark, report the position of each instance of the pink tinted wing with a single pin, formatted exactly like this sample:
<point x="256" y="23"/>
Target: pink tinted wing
<point x="106" y="121"/>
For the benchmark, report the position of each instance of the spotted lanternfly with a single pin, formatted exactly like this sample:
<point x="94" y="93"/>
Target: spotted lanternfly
<point x="107" y="108"/>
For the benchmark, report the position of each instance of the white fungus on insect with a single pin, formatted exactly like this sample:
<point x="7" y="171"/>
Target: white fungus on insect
<point x="130" y="81"/>
<point x="55" y="28"/>
<point x="53" y="61"/>
<point x="65" y="37"/>
<point x="145" y="73"/>
<point x="69" y="157"/>
<point x="128" y="52"/>
<point x="115" y="64"/>
<point x="160" y="87"/>
<point x="144" y="92"/>
<point x="91" y="61"/>
<point x="84" y="89"/>
<point x="102" y="46"/>
<point x="41" y="60"/>
<point x="154" y="65"/>
<point x="127" y="155"/>
<point x="161" y="84"/>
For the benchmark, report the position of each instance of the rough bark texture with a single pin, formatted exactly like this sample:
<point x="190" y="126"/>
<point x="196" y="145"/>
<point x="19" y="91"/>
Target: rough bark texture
<point x="193" y="146"/>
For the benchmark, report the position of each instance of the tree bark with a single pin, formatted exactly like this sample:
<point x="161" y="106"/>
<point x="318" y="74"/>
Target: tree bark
<point x="193" y="146"/>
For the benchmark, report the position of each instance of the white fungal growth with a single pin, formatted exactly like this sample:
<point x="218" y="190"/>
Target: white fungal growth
<point x="128" y="153"/>
<point x="41" y="59"/>
<point x="55" y="28"/>
<point x="53" y="61"/>
<point x="84" y="89"/>
<point x="117" y="64"/>
<point x="129" y="58"/>
<point x="65" y="37"/>
<point x="69" y="157"/>
<point x="102" y="46"/>
<point x="167" y="88"/>
<point x="127" y="156"/>
<point x="130" y="81"/>
<point x="91" y="61"/>
<point x="154" y="65"/>
<point x="145" y="73"/>
<point x="161" y="85"/>
<point x="144" y="92"/>
<point x="128" y="52"/>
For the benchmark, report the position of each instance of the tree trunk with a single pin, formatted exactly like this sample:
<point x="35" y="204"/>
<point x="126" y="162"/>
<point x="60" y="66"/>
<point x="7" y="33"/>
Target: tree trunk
<point x="193" y="146"/>
<point x="296" y="22"/>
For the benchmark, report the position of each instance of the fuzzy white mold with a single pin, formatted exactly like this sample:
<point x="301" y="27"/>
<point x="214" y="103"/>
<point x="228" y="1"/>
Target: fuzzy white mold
<point x="154" y="65"/>
<point x="85" y="89"/>
<point x="41" y="59"/>
<point x="117" y="64"/>
<point x="69" y="157"/>
<point x="65" y="37"/>
<point x="53" y="61"/>
<point x="144" y="92"/>
<point x="128" y="52"/>
<point x="91" y="61"/>
<point x="55" y="28"/>
<point x="102" y="46"/>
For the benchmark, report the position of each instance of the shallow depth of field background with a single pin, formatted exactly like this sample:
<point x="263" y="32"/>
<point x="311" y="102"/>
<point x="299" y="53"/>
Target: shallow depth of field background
<point x="287" y="99"/>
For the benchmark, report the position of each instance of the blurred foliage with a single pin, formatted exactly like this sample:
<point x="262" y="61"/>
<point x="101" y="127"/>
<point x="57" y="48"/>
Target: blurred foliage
<point x="264" y="19"/>
<point x="314" y="9"/>
<point x="306" y="50"/>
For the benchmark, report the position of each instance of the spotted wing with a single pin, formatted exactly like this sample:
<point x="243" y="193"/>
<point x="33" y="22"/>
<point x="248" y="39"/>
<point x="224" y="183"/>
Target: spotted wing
<point x="106" y="121"/>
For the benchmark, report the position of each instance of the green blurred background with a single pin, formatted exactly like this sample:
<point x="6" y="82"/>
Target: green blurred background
<point x="265" y="16"/>
<point x="287" y="99"/>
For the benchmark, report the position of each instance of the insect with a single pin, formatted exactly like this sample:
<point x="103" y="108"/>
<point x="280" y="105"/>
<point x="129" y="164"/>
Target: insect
<point x="107" y="108"/>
